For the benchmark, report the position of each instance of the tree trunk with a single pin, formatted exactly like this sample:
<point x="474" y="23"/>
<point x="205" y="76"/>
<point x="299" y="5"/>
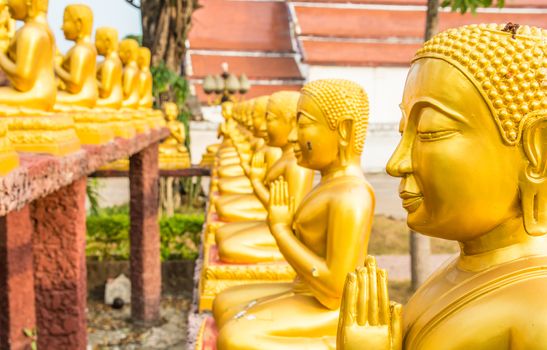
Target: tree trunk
<point x="420" y="246"/>
<point x="165" y="27"/>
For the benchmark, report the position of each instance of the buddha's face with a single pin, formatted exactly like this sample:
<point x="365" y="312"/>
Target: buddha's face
<point x="18" y="9"/>
<point x="104" y="41"/>
<point x="171" y="111"/>
<point x="71" y="26"/>
<point x="144" y="57"/>
<point x="459" y="180"/>
<point x="259" y="123"/>
<point x="128" y="50"/>
<point x="315" y="144"/>
<point x="278" y="126"/>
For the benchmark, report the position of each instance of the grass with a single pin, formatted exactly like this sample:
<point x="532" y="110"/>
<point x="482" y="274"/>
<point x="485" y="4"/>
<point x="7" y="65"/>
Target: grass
<point x="391" y="236"/>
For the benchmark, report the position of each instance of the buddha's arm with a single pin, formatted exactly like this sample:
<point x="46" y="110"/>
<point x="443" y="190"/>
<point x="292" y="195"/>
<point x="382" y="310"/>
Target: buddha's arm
<point x="349" y="217"/>
<point x="107" y="82"/>
<point x="300" y="181"/>
<point x="74" y="79"/>
<point x="258" y="171"/>
<point x="22" y="73"/>
<point x="129" y="78"/>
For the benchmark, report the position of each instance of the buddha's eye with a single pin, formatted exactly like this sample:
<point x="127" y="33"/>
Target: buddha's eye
<point x="436" y="135"/>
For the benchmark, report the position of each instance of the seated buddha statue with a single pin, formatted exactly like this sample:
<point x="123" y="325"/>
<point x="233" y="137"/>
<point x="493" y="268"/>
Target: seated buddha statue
<point x="472" y="161"/>
<point x="245" y="243"/>
<point x="129" y="53"/>
<point x="172" y="152"/>
<point x="28" y="64"/>
<point x="110" y="70"/>
<point x="145" y="78"/>
<point x="211" y="151"/>
<point x="109" y="82"/>
<point x="241" y="184"/>
<point x="77" y="68"/>
<point x="323" y="239"/>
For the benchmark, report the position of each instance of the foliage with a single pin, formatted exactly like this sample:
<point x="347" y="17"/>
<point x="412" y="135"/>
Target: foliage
<point x="135" y="37"/>
<point x="464" y="5"/>
<point x="108" y="235"/>
<point x="92" y="191"/>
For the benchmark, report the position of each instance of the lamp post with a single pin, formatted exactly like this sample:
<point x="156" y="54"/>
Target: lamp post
<point x="225" y="85"/>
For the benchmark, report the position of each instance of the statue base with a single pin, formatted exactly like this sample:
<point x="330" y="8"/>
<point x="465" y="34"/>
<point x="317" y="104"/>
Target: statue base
<point x="48" y="133"/>
<point x="207" y="336"/>
<point x="122" y="125"/>
<point x="174" y="162"/>
<point x="140" y="122"/>
<point x="9" y="159"/>
<point x="93" y="128"/>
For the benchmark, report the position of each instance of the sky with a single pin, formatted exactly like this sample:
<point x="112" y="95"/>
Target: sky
<point x="112" y="13"/>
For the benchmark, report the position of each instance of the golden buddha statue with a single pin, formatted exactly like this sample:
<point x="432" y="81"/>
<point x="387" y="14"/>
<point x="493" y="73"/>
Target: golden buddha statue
<point x="129" y="53"/>
<point x="323" y="239"/>
<point x="109" y="82"/>
<point x="145" y="78"/>
<point x="172" y="152"/>
<point x="245" y="243"/>
<point x="109" y="71"/>
<point x="28" y="64"/>
<point x="77" y="68"/>
<point x="473" y="160"/>
<point x="7" y="27"/>
<point x="241" y="184"/>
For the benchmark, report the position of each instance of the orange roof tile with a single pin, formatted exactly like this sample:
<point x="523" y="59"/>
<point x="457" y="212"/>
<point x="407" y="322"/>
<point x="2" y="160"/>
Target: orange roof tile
<point x="358" y="54"/>
<point x="508" y="3"/>
<point x="241" y="25"/>
<point x="253" y="67"/>
<point x="360" y="23"/>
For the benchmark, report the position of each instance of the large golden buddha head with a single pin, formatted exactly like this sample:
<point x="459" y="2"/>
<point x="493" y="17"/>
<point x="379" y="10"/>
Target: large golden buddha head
<point x="259" y="117"/>
<point x="473" y="153"/>
<point x="281" y="117"/>
<point x="106" y="40"/>
<point x="23" y="9"/>
<point x="77" y="22"/>
<point x="332" y="122"/>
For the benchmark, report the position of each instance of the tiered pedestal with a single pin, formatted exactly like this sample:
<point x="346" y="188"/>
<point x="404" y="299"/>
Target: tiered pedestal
<point x="217" y="275"/>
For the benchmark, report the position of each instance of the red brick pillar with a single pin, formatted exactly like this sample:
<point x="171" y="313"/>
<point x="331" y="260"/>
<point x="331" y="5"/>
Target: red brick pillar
<point x="145" y="238"/>
<point x="59" y="268"/>
<point x="17" y="311"/>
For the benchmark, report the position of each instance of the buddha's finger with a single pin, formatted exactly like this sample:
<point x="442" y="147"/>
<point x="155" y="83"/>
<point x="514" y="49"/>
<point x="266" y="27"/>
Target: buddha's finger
<point x="278" y="191"/>
<point x="272" y="194"/>
<point x="396" y="326"/>
<point x="349" y="301"/>
<point x="285" y="193"/>
<point x="373" y="291"/>
<point x="383" y="297"/>
<point x="362" y="296"/>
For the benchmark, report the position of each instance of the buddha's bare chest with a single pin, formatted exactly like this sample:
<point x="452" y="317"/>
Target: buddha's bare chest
<point x="311" y="220"/>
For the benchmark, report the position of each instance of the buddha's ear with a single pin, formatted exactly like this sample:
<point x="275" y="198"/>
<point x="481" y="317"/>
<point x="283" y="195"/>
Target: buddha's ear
<point x="533" y="181"/>
<point x="345" y="131"/>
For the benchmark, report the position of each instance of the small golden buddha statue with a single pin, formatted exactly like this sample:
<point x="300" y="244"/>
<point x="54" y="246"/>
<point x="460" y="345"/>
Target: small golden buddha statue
<point x="7" y="27"/>
<point x="473" y="160"/>
<point x="109" y="82"/>
<point x="77" y="68"/>
<point x="242" y="243"/>
<point x="28" y="64"/>
<point x="145" y="78"/>
<point x="109" y="71"/>
<point x="129" y="53"/>
<point x="322" y="239"/>
<point x="172" y="152"/>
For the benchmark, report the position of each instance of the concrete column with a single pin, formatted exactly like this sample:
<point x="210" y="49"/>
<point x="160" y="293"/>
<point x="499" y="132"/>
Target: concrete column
<point x="17" y="311"/>
<point x="145" y="238"/>
<point x="60" y="269"/>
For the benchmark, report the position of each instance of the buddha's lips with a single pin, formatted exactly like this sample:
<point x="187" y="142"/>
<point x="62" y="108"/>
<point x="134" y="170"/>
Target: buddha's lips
<point x="411" y="201"/>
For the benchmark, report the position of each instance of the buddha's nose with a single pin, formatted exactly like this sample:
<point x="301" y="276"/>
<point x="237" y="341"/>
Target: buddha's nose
<point x="293" y="135"/>
<point x="400" y="163"/>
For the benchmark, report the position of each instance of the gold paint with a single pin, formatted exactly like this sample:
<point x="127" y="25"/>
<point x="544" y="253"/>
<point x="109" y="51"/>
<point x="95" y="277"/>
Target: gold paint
<point x="252" y="242"/>
<point x="172" y="152"/>
<point x="28" y="63"/>
<point x="468" y="175"/>
<point x="323" y="239"/>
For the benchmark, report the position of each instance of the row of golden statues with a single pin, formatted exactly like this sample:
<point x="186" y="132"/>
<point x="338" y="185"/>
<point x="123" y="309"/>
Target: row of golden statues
<point x="473" y="166"/>
<point x="54" y="102"/>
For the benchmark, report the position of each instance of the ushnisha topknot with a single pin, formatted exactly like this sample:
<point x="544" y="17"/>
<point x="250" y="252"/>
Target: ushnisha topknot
<point x="342" y="99"/>
<point x="506" y="63"/>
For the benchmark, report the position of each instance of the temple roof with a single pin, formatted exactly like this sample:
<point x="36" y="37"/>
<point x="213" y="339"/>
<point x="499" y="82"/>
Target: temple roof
<point x="273" y="42"/>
